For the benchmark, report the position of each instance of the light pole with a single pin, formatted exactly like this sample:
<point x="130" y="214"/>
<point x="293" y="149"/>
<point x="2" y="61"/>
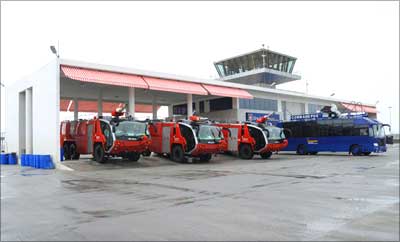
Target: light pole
<point x="390" y="116"/>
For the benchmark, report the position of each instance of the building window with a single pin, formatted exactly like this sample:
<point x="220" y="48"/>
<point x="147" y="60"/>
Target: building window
<point x="313" y="108"/>
<point x="181" y="109"/>
<point x="220" y="104"/>
<point x="259" y="104"/>
<point x="201" y="104"/>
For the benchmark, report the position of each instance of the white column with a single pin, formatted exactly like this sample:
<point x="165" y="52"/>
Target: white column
<point x="305" y="107"/>
<point x="76" y="108"/>
<point x="28" y="123"/>
<point x="100" y="104"/>
<point x="154" y="104"/>
<point x="131" y="101"/>
<point x="170" y="111"/>
<point x="189" y="99"/>
<point x="235" y="107"/>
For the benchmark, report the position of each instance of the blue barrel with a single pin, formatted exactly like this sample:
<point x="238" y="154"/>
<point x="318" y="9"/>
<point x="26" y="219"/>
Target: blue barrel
<point x="36" y="161"/>
<point x="12" y="158"/>
<point x="61" y="154"/>
<point x="29" y="160"/>
<point x="46" y="162"/>
<point x="23" y="159"/>
<point x="3" y="158"/>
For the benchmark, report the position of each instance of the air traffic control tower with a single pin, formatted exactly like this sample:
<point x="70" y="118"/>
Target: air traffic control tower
<point x="262" y="67"/>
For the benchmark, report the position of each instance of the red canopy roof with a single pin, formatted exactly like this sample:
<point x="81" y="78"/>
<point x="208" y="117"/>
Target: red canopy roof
<point x="359" y="108"/>
<point x="227" y="91"/>
<point x="108" y="107"/>
<point x="103" y="77"/>
<point x="174" y="86"/>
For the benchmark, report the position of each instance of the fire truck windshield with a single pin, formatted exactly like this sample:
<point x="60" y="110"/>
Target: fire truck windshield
<point x="130" y="129"/>
<point x="272" y="132"/>
<point x="207" y="133"/>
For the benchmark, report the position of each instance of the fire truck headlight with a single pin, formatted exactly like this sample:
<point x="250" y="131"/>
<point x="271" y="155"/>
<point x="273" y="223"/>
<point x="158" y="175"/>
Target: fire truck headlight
<point x="375" y="144"/>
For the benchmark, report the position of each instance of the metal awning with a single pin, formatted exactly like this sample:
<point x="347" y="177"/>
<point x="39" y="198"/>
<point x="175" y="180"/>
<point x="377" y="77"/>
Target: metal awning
<point x="174" y="86"/>
<point x="227" y="91"/>
<point x="103" y="77"/>
<point x="359" y="108"/>
<point x="108" y="107"/>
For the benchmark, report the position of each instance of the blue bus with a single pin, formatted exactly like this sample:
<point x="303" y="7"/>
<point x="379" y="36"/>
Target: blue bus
<point x="353" y="133"/>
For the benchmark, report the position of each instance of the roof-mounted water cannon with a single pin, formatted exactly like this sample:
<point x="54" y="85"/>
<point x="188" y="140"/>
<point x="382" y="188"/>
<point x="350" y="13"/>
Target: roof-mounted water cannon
<point x="119" y="111"/>
<point x="332" y="111"/>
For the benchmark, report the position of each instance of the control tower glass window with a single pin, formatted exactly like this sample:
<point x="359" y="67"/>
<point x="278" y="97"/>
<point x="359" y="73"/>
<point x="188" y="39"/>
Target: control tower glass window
<point x="262" y="58"/>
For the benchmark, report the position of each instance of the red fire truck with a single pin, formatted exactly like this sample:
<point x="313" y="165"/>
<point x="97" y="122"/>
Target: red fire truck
<point x="102" y="137"/>
<point x="195" y="138"/>
<point x="247" y="139"/>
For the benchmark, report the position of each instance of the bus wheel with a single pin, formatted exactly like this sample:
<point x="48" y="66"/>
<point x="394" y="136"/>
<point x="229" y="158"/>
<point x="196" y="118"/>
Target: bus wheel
<point x="266" y="155"/>
<point x="74" y="154"/>
<point x="67" y="151"/>
<point x="133" y="156"/>
<point x="355" y="150"/>
<point x="177" y="154"/>
<point x="301" y="150"/>
<point x="245" y="152"/>
<point x="99" y="153"/>
<point x="366" y="153"/>
<point x="205" y="158"/>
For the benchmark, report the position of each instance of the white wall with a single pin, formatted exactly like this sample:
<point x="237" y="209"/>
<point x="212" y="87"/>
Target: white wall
<point x="45" y="84"/>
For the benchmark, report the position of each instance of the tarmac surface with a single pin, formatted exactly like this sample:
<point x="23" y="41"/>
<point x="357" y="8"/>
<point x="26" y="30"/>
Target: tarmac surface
<point x="288" y="197"/>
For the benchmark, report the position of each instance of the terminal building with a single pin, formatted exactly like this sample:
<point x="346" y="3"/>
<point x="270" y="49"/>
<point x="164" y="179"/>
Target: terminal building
<point x="246" y="89"/>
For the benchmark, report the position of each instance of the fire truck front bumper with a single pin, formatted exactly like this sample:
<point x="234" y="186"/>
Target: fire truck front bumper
<point x="202" y="149"/>
<point x="127" y="146"/>
<point x="271" y="147"/>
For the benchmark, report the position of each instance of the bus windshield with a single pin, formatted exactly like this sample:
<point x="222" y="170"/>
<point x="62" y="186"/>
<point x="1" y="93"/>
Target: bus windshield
<point x="209" y="133"/>
<point x="378" y="131"/>
<point x="130" y="129"/>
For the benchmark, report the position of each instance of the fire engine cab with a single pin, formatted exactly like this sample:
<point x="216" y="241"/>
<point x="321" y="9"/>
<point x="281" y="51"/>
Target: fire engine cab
<point x="247" y="139"/>
<point x="195" y="137"/>
<point x="103" y="137"/>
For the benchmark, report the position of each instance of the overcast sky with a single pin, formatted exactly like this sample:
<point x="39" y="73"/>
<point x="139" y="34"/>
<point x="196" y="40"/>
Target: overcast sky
<point x="347" y="48"/>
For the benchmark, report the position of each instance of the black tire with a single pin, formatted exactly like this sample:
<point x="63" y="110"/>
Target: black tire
<point x="266" y="155"/>
<point x="67" y="151"/>
<point x="366" y="153"/>
<point x="245" y="152"/>
<point x="355" y="150"/>
<point x="301" y="150"/>
<point x="98" y="153"/>
<point x="313" y="153"/>
<point x="205" y="158"/>
<point x="146" y="153"/>
<point x="177" y="154"/>
<point x="133" y="156"/>
<point x="73" y="152"/>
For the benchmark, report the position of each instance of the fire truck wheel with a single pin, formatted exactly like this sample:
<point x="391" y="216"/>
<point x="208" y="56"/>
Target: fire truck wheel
<point x="355" y="150"/>
<point x="301" y="150"/>
<point x="245" y="152"/>
<point x="99" y="153"/>
<point x="205" y="158"/>
<point x="266" y="155"/>
<point x="133" y="156"/>
<point x="177" y="154"/>
<point x="74" y="154"/>
<point x="146" y="153"/>
<point x="67" y="152"/>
